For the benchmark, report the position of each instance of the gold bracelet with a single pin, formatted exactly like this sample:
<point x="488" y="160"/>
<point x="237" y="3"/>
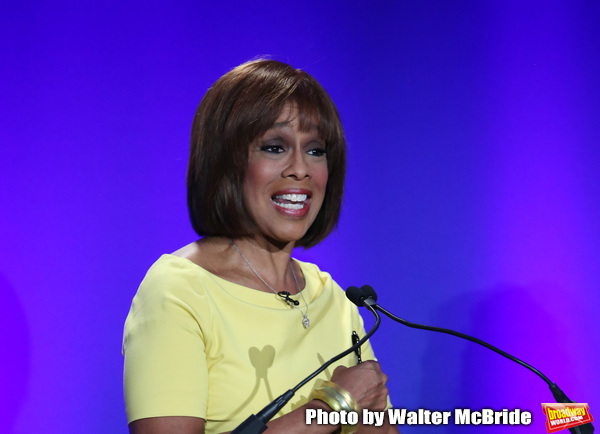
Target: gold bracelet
<point x="337" y="398"/>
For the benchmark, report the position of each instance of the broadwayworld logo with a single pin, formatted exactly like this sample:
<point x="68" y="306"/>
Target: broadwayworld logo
<point x="564" y="416"/>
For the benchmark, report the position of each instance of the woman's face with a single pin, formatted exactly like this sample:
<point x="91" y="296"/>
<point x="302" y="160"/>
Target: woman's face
<point x="286" y="178"/>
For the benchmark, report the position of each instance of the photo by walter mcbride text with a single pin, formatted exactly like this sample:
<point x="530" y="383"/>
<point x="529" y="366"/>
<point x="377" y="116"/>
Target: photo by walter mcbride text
<point x="402" y="416"/>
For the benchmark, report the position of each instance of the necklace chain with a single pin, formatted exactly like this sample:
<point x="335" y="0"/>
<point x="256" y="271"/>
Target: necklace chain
<point x="305" y="320"/>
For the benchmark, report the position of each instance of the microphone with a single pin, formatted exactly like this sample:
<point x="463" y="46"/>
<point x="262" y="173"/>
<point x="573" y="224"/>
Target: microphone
<point x="359" y="297"/>
<point x="256" y="424"/>
<point x="366" y="296"/>
<point x="285" y="296"/>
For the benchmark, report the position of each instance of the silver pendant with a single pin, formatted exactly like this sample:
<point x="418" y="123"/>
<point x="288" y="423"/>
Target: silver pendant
<point x="305" y="322"/>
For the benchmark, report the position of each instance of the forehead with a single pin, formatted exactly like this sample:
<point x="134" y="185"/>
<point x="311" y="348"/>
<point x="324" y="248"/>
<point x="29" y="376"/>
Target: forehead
<point x="293" y="116"/>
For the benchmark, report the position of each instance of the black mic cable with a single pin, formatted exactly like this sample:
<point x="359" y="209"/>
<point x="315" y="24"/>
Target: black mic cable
<point x="256" y="424"/>
<point x="366" y="292"/>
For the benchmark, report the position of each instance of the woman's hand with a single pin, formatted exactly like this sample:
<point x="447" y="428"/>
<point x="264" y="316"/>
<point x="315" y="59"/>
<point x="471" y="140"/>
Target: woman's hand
<point x="365" y="382"/>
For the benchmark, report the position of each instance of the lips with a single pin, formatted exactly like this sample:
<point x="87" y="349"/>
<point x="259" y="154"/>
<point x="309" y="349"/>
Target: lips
<point x="292" y="203"/>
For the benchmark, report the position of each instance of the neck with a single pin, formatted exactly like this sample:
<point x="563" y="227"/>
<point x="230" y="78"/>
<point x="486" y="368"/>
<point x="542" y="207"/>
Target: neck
<point x="271" y="260"/>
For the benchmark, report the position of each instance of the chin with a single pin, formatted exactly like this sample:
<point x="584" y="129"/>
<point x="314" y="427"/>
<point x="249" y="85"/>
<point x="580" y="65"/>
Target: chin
<point x="286" y="237"/>
<point x="284" y="231"/>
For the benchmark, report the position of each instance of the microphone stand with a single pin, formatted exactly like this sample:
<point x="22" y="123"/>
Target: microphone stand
<point x="256" y="424"/>
<point x="558" y="394"/>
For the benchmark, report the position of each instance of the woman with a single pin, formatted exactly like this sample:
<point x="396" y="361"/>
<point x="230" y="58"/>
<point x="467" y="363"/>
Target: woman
<point x="226" y="324"/>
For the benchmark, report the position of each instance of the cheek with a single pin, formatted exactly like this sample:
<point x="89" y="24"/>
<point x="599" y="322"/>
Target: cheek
<point x="321" y="177"/>
<point x="256" y="177"/>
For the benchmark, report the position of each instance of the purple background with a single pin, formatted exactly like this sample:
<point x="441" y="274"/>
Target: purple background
<point x="472" y="192"/>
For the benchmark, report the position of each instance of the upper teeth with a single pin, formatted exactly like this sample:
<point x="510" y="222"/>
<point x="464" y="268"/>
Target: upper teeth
<point x="293" y="197"/>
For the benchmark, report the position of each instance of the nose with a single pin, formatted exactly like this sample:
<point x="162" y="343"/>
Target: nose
<point x="298" y="166"/>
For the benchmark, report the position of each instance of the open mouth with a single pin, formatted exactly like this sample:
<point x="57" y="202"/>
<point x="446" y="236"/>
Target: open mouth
<point x="290" y="201"/>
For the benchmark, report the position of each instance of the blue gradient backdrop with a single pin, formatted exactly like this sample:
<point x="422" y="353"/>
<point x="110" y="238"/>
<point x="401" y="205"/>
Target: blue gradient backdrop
<point x="472" y="194"/>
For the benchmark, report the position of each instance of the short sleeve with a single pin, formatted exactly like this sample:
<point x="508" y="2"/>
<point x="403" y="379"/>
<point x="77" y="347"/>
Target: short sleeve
<point x="165" y="371"/>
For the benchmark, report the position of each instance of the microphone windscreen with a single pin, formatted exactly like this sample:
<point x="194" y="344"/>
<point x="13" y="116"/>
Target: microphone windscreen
<point x="358" y="296"/>
<point x="354" y="295"/>
<point x="369" y="292"/>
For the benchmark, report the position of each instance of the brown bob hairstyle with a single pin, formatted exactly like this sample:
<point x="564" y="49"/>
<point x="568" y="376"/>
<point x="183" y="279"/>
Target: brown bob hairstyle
<point x="240" y="107"/>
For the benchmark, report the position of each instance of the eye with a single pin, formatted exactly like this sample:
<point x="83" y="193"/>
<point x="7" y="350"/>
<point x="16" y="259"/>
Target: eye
<point x="317" y="152"/>
<point x="272" y="148"/>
